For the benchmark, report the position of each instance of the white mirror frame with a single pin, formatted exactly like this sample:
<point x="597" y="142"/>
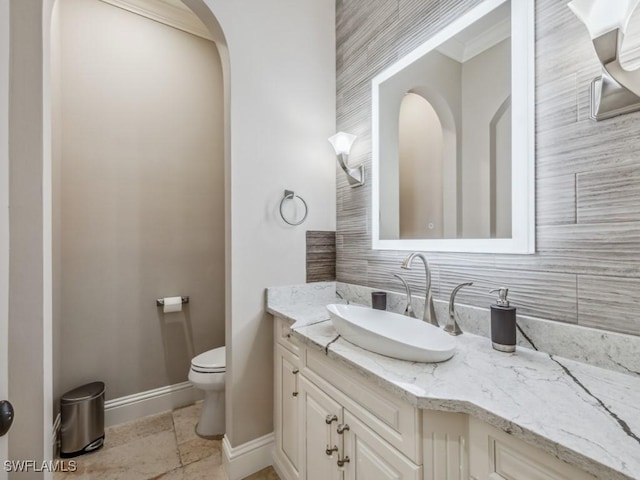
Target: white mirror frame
<point x="523" y="137"/>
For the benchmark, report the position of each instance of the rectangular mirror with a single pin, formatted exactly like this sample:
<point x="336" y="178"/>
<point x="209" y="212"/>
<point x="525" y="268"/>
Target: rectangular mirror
<point x="453" y="161"/>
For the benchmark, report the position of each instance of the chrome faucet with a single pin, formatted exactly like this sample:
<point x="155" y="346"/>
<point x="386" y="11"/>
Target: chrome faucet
<point x="429" y="312"/>
<point x="408" y="311"/>
<point x="452" y="325"/>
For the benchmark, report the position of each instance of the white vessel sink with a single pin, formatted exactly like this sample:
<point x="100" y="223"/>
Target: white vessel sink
<point x="391" y="334"/>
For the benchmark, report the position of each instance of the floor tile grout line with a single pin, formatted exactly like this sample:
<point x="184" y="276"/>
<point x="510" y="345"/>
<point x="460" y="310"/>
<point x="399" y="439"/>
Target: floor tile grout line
<point x="175" y="436"/>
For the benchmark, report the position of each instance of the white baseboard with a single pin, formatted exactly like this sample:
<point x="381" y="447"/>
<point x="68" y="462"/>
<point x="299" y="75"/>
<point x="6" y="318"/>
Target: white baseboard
<point x="283" y="467"/>
<point x="251" y="457"/>
<point x="131" y="407"/>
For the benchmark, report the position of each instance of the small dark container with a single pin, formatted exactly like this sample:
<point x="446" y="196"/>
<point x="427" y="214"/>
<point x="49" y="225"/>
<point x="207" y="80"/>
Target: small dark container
<point x="503" y="324"/>
<point x="379" y="300"/>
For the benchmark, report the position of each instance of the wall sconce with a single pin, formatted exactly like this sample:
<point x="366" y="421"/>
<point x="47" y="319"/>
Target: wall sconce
<point x="342" y="143"/>
<point x="617" y="91"/>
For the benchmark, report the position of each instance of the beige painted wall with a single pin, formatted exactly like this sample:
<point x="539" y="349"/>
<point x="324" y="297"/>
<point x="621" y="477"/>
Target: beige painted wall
<point x="4" y="211"/>
<point x="276" y="143"/>
<point x="420" y="148"/>
<point x="29" y="333"/>
<point x="486" y="83"/>
<point x="56" y="210"/>
<point x="436" y="78"/>
<point x="141" y="196"/>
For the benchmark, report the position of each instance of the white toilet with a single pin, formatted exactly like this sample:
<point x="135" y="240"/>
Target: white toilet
<point x="208" y="373"/>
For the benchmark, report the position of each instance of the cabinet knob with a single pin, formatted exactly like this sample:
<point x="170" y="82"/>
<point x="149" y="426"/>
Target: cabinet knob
<point x="342" y="428"/>
<point x="295" y="371"/>
<point x="342" y="461"/>
<point x="330" y="419"/>
<point x="329" y="451"/>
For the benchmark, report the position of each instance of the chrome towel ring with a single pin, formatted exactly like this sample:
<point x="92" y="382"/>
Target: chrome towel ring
<point x="290" y="195"/>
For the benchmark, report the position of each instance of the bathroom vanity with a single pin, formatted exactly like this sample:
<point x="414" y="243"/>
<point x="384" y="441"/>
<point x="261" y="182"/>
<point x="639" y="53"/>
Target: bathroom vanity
<point x="342" y="412"/>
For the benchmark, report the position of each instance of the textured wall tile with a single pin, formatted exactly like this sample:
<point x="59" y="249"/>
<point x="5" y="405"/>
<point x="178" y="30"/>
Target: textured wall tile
<point x="526" y="289"/>
<point x="321" y="256"/>
<point x="620" y="241"/>
<point x="556" y="200"/>
<point x="353" y="73"/>
<point x="450" y="10"/>
<point x="610" y="303"/>
<point x="556" y="103"/>
<point x="369" y="21"/>
<point x="374" y="34"/>
<point x="354" y="218"/>
<point x="417" y="21"/>
<point x="588" y="145"/>
<point x="562" y="41"/>
<point x="609" y="195"/>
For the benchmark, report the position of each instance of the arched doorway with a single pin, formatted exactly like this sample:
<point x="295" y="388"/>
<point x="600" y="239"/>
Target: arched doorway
<point x="30" y="294"/>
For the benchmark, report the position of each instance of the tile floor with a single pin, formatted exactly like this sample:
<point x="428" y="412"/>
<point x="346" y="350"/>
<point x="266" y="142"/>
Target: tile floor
<point x="158" y="447"/>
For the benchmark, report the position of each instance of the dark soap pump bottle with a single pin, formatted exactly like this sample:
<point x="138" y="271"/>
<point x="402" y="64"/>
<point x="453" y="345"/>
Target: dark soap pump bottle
<point x="503" y="323"/>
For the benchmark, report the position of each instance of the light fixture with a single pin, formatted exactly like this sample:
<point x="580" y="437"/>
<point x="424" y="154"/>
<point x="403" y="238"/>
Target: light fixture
<point x="342" y="143"/>
<point x="617" y="91"/>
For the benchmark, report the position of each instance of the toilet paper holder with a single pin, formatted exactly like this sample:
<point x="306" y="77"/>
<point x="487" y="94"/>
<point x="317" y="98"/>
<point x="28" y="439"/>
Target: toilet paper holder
<point x="160" y="301"/>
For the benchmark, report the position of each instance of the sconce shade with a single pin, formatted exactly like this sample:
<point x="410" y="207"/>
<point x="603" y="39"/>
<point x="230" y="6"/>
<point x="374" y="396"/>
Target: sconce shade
<point x="603" y="16"/>
<point x="342" y="142"/>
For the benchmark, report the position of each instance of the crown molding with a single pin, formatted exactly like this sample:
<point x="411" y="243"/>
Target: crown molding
<point x="464" y="51"/>
<point x="171" y="13"/>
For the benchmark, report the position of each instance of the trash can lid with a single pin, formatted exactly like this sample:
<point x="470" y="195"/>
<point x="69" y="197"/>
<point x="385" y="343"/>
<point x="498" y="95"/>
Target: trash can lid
<point x="85" y="392"/>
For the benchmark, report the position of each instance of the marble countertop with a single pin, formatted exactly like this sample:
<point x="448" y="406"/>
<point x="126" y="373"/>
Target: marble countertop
<point x="584" y="415"/>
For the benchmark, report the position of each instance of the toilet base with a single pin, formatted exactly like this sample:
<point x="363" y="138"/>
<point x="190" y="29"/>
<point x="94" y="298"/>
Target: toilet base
<point x="211" y="422"/>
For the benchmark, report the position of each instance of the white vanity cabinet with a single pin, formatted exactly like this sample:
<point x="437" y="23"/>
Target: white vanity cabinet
<point x="496" y="455"/>
<point x="287" y="403"/>
<point x="338" y="445"/>
<point x="371" y="457"/>
<point x="333" y="423"/>
<point x="320" y="416"/>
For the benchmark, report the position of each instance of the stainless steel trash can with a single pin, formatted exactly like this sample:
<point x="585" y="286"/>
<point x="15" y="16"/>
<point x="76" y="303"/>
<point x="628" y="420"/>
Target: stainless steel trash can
<point x="82" y="420"/>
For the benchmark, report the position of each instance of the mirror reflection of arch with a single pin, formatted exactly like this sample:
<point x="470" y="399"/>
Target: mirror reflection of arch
<point x="452" y="150"/>
<point x="427" y="164"/>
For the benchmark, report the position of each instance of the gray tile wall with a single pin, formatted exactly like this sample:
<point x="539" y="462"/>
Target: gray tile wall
<point x="321" y="256"/>
<point x="587" y="266"/>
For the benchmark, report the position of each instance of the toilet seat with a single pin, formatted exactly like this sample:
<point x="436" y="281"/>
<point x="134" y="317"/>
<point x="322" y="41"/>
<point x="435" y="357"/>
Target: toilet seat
<point x="207" y="373"/>
<point x="212" y="361"/>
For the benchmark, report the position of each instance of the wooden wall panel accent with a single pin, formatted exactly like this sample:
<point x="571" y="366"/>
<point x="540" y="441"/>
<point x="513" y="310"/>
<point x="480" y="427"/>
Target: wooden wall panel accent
<point x="588" y="173"/>
<point x="321" y="256"/>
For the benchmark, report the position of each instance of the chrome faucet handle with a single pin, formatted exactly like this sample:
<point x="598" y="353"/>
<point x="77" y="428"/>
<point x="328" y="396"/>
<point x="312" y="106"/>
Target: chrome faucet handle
<point x="429" y="314"/>
<point x="408" y="311"/>
<point x="452" y="325"/>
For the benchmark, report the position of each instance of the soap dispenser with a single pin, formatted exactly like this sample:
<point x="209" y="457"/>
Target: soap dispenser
<point x="503" y="323"/>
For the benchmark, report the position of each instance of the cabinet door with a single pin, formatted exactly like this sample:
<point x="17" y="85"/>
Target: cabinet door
<point x="445" y="445"/>
<point x="319" y="417"/>
<point x="496" y="455"/>
<point x="370" y="457"/>
<point x="287" y="411"/>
